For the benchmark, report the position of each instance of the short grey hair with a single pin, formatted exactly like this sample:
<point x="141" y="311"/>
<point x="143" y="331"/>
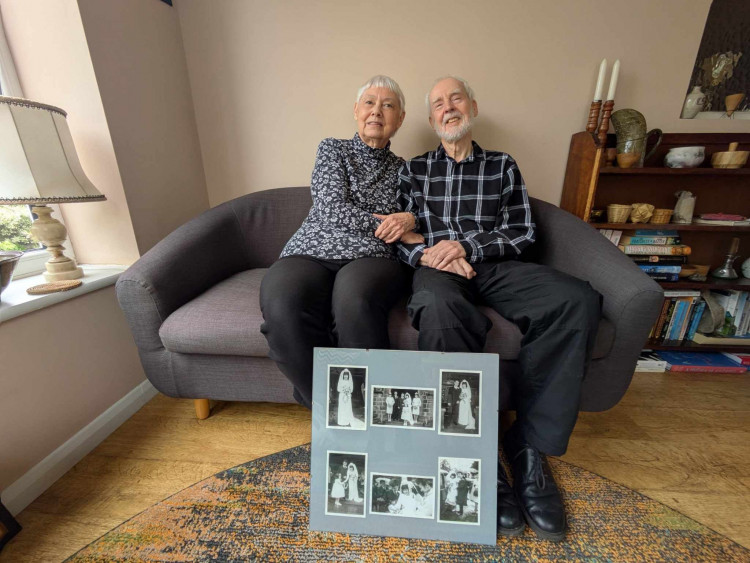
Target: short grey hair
<point x="468" y="89"/>
<point x="383" y="81"/>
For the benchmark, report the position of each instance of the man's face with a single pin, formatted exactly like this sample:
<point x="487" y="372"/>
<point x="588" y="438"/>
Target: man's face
<point x="452" y="112"/>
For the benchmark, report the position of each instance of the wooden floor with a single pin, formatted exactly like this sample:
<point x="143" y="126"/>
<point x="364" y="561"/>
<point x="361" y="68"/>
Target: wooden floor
<point x="681" y="439"/>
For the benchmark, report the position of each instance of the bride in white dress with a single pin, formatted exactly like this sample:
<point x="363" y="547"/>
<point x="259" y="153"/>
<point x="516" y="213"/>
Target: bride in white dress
<point x="345" y="388"/>
<point x="465" y="416"/>
<point x="352" y="477"/>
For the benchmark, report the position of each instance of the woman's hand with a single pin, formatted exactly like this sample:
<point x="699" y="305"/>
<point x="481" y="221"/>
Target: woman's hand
<point x="393" y="226"/>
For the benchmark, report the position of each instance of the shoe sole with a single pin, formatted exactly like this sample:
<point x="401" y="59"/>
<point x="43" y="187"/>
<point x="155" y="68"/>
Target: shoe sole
<point x="510" y="533"/>
<point x="543" y="534"/>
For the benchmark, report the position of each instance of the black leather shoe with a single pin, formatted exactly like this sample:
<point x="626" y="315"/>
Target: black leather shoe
<point x="509" y="518"/>
<point x="537" y="493"/>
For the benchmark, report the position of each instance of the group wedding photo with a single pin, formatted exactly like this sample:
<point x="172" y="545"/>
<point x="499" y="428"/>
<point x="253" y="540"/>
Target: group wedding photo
<point x="402" y="495"/>
<point x="460" y="402"/>
<point x="347" y="397"/>
<point x="347" y="484"/>
<point x="459" y="490"/>
<point x="403" y="407"/>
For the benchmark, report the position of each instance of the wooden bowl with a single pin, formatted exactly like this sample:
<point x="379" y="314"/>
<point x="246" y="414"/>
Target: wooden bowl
<point x="730" y="159"/>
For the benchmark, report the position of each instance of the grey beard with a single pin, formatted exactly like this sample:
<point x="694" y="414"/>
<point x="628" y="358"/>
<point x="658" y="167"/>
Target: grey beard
<point x="457" y="134"/>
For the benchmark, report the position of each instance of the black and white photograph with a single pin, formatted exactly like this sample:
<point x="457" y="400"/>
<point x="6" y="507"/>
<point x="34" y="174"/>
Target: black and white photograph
<point x="346" y="492"/>
<point x="402" y="495"/>
<point x="403" y="407"/>
<point x="347" y="397"/>
<point x="459" y="490"/>
<point x="460" y="402"/>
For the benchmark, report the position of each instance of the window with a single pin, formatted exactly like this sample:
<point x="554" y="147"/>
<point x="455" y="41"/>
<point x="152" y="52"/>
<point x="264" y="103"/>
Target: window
<point x="15" y="220"/>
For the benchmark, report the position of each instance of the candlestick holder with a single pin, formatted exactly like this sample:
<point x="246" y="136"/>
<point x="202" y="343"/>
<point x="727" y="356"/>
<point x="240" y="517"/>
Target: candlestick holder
<point x="727" y="271"/>
<point x="604" y="127"/>
<point x="593" y="121"/>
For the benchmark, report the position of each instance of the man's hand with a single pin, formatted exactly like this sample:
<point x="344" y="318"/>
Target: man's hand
<point x="393" y="226"/>
<point x="461" y="267"/>
<point x="445" y="252"/>
<point x="412" y="238"/>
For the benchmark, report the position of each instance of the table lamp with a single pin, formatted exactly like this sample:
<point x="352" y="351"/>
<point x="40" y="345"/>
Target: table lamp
<point x="38" y="166"/>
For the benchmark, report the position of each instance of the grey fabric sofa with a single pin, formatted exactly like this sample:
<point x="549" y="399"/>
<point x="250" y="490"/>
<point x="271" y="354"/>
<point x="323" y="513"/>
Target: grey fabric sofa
<point x="192" y="303"/>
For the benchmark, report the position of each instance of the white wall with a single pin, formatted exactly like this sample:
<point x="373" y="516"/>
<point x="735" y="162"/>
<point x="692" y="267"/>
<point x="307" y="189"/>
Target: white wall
<point x="271" y="79"/>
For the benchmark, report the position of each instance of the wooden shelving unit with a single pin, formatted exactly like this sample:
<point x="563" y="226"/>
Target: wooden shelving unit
<point x="589" y="184"/>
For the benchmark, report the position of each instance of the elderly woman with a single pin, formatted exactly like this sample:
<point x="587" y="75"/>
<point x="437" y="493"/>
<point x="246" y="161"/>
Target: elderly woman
<point x="338" y="275"/>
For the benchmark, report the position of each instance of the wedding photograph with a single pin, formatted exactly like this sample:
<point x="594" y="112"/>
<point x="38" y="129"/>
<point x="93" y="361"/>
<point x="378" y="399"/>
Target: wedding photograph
<point x="460" y="402"/>
<point x="347" y="484"/>
<point x="403" y="407"/>
<point x="459" y="490"/>
<point x="347" y="397"/>
<point x="402" y="495"/>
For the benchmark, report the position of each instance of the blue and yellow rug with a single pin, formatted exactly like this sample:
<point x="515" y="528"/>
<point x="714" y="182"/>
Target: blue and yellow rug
<point x="258" y="512"/>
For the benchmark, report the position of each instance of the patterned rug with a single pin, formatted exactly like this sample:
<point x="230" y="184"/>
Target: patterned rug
<point x="258" y="511"/>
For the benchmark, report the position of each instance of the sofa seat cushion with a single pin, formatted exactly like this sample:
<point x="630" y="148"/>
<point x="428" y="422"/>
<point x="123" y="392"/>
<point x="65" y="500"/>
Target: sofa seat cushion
<point x="226" y="319"/>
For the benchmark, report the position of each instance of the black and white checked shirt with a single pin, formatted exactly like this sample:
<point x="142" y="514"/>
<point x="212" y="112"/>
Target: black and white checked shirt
<point x="481" y="202"/>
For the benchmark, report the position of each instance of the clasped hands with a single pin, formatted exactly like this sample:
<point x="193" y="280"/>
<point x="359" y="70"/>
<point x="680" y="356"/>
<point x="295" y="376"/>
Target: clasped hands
<point x="446" y="255"/>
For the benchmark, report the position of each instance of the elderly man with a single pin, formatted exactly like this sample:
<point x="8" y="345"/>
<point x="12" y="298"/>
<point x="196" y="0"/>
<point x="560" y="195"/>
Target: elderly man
<point x="473" y="212"/>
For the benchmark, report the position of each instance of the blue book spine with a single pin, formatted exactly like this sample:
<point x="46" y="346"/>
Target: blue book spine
<point x="697" y="314"/>
<point x="679" y="316"/>
<point x="660" y="269"/>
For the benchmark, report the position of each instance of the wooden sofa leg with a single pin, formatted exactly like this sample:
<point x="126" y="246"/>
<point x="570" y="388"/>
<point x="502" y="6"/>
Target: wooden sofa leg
<point x="202" y="408"/>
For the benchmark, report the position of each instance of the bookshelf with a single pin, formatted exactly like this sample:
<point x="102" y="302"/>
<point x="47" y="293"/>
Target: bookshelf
<point x="589" y="184"/>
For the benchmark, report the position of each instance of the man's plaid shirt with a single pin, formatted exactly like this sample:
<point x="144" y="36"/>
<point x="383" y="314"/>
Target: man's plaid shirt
<point x="480" y="202"/>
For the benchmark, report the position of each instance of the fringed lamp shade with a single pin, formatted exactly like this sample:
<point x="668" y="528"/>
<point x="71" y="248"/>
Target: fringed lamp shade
<point x="38" y="166"/>
<point x="38" y="160"/>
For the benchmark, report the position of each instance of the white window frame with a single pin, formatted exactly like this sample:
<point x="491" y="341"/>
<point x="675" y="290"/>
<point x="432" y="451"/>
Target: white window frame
<point x="32" y="262"/>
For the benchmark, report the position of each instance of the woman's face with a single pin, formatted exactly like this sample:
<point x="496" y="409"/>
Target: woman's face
<point x="378" y="116"/>
<point x="464" y="385"/>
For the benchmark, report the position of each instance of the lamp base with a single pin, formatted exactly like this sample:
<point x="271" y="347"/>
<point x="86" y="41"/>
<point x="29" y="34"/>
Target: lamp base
<point x="51" y="233"/>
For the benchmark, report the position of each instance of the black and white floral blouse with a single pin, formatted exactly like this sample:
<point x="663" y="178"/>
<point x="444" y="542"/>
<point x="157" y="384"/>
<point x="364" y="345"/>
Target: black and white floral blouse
<point x="350" y="182"/>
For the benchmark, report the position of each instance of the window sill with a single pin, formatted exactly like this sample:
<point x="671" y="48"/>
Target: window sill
<point x="16" y="302"/>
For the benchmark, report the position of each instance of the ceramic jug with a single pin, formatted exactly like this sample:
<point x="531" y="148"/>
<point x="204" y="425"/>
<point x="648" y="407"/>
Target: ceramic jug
<point x="630" y="129"/>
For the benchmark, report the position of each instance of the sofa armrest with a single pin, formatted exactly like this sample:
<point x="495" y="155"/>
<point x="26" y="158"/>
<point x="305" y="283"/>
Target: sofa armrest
<point x="196" y="256"/>
<point x="570" y="245"/>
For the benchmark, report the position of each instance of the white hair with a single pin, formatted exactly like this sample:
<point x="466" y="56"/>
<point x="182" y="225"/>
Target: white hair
<point x="468" y="89"/>
<point x="383" y="81"/>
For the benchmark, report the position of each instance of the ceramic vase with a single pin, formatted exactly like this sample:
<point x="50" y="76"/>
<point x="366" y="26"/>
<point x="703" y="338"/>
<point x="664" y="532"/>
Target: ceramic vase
<point x="694" y="103"/>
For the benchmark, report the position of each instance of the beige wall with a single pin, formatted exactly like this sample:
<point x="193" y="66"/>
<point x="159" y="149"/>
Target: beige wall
<point x="271" y="79"/>
<point x="138" y="58"/>
<point x="62" y="367"/>
<point x="54" y="66"/>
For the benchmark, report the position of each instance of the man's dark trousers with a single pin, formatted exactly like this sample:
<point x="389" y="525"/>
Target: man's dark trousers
<point x="558" y="316"/>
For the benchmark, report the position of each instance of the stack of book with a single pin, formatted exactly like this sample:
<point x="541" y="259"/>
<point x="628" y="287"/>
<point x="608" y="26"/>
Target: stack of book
<point x="679" y="317"/>
<point x="736" y="328"/>
<point x="713" y="362"/>
<point x="739" y="359"/>
<point x="650" y="361"/>
<point x="659" y="253"/>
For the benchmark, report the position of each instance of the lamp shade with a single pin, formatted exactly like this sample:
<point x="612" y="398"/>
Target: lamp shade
<point x="38" y="160"/>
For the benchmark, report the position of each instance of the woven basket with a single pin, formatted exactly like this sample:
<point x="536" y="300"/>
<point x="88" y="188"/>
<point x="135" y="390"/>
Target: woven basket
<point x="661" y="216"/>
<point x="617" y="213"/>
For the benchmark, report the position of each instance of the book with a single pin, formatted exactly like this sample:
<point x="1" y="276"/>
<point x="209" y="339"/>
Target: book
<point x="657" y="232"/>
<point x="742" y="359"/>
<point x="650" y="361"/>
<point x="655" y="259"/>
<point x="661" y="268"/>
<point x="712" y="362"/>
<point x="699" y="221"/>
<point x="695" y="319"/>
<point x="661" y="319"/>
<point x="659" y="250"/>
<point x="675" y="324"/>
<point x="642" y="239"/>
<point x="615" y="236"/>
<point x="699" y="338"/>
<point x="667" y="277"/>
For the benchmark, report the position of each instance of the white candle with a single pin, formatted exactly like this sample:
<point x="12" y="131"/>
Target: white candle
<point x="613" y="80"/>
<point x="600" y="80"/>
